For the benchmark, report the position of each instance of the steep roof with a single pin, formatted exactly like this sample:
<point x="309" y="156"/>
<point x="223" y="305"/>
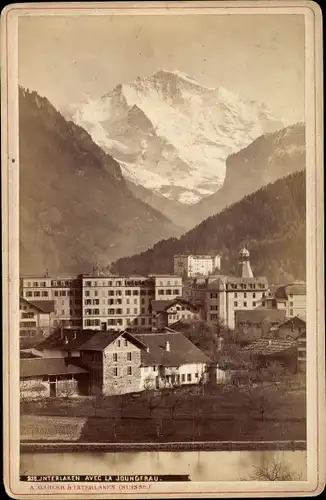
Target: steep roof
<point x="181" y="352"/>
<point x="266" y="347"/>
<point x="296" y="288"/>
<point x="65" y="339"/>
<point x="103" y="339"/>
<point x="47" y="366"/>
<point x="259" y="315"/>
<point x="293" y="321"/>
<point x="163" y="305"/>
<point x="43" y="306"/>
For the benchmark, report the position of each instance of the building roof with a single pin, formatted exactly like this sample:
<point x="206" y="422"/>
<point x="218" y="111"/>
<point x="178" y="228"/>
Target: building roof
<point x="66" y="339"/>
<point x="259" y="315"/>
<point x="296" y="288"/>
<point x="43" y="306"/>
<point x="163" y="305"/>
<point x="103" y="339"/>
<point x="292" y="321"/>
<point x="266" y="347"/>
<point x="47" y="366"/>
<point x="182" y="351"/>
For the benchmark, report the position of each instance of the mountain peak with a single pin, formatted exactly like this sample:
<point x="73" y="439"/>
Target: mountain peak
<point x="178" y="140"/>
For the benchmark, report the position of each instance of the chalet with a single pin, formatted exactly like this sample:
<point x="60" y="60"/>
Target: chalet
<point x="35" y="317"/>
<point x="167" y="312"/>
<point x="291" y="328"/>
<point x="266" y="350"/>
<point x="256" y="323"/>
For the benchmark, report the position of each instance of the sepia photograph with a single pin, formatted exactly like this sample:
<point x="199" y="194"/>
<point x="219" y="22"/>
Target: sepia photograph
<point x="163" y="261"/>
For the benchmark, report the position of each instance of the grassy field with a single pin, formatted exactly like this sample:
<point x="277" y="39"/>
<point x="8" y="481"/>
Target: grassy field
<point x="216" y="416"/>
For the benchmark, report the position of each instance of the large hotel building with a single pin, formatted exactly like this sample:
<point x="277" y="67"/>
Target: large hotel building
<point x="101" y="301"/>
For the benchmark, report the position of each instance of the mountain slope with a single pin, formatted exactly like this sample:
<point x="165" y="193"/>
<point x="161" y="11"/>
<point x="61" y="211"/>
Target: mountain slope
<point x="271" y="222"/>
<point x="171" y="134"/>
<point x="75" y="207"/>
<point x="268" y="158"/>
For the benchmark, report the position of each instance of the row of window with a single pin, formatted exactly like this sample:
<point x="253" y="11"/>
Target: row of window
<point x="96" y="302"/>
<point x="113" y="312"/>
<point x="37" y="294"/>
<point x="245" y="286"/>
<point x="115" y="354"/>
<point x="116" y="371"/>
<point x="26" y="315"/>
<point x="28" y="324"/>
<point x="169" y="292"/>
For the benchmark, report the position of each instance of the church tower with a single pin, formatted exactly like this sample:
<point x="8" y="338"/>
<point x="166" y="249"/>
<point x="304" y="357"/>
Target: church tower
<point x="244" y="268"/>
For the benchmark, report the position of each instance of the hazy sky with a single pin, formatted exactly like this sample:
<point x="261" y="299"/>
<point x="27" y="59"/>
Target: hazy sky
<point x="69" y="59"/>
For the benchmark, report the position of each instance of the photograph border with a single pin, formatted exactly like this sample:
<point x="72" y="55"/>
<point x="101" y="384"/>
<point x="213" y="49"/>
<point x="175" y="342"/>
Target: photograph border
<point x="314" y="256"/>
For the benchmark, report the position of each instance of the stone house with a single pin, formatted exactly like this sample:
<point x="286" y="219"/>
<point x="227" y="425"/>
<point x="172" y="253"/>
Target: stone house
<point x="52" y="377"/>
<point x="167" y="312"/>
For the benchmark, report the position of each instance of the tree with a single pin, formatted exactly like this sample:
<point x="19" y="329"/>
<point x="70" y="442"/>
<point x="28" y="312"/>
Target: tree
<point x="151" y="399"/>
<point x="274" y="469"/>
<point x="96" y="397"/>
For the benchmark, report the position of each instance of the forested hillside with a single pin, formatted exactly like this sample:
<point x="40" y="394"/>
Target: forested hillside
<point x="271" y="222"/>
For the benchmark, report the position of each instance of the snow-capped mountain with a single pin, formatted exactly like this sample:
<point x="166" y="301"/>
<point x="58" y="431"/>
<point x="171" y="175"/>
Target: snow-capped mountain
<point x="171" y="134"/>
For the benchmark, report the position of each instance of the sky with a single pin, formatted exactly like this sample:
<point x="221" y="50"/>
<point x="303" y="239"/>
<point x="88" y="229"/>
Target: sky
<point x="72" y="58"/>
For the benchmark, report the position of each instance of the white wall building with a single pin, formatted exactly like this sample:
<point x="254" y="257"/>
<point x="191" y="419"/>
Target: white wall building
<point x="196" y="265"/>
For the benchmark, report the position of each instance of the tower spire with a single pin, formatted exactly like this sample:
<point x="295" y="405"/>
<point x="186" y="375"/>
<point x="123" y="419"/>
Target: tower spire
<point x="244" y="267"/>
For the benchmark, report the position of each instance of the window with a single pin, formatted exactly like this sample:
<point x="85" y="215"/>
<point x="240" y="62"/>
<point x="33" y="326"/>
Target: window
<point x="115" y="357"/>
<point x="235" y="304"/>
<point x="127" y="310"/>
<point x="154" y="368"/>
<point x="27" y="315"/>
<point x="160" y="292"/>
<point x="213" y="308"/>
<point x="254" y="304"/>
<point x="129" y="371"/>
<point x="135" y="301"/>
<point x="62" y="293"/>
<point x="135" y="292"/>
<point x="196" y="375"/>
<point x="213" y="317"/>
<point x="126" y="343"/>
<point x="118" y="342"/>
<point x="245" y="295"/>
<point x="118" y="292"/>
<point x="143" y="310"/>
<point x="37" y="294"/>
<point x="128" y="292"/>
<point x="291" y="304"/>
<point x="127" y="301"/>
<point x="254" y="295"/>
<point x="291" y="312"/>
<point x="189" y="377"/>
<point x="96" y="302"/>
<point x="96" y="311"/>
<point x="183" y="378"/>
<point x="128" y="356"/>
<point x="87" y="294"/>
<point x="143" y="301"/>
<point x="95" y="293"/>
<point x="88" y="283"/>
<point x="143" y="321"/>
<point x="235" y="295"/>
<point x="35" y="283"/>
<point x="45" y="294"/>
<point x="115" y="371"/>
<point x="135" y="310"/>
<point x="213" y="295"/>
<point x="29" y="294"/>
<point x="245" y="304"/>
<point x="169" y="292"/>
<point x="118" y="283"/>
<point x="176" y="292"/>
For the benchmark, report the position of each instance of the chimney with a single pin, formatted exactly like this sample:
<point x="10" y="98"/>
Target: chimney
<point x="167" y="346"/>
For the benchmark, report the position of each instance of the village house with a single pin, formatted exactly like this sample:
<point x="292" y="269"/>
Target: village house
<point x="291" y="298"/>
<point x="256" y="323"/>
<point x="265" y="351"/>
<point x="35" y="317"/>
<point x="120" y="362"/>
<point x="52" y="377"/>
<point x="167" y="312"/>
